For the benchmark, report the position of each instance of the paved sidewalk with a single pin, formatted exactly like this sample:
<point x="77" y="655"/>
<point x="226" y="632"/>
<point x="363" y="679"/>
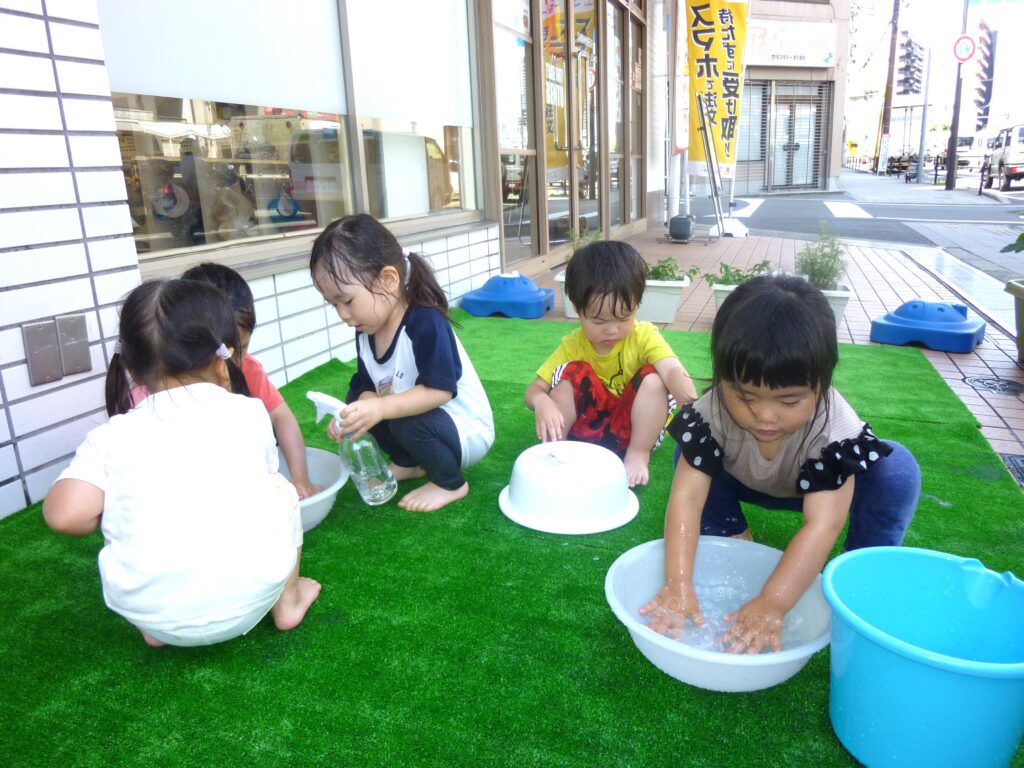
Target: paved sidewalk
<point x="989" y="380"/>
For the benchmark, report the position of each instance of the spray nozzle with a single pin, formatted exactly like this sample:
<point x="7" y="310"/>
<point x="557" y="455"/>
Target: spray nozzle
<point x="326" y="406"/>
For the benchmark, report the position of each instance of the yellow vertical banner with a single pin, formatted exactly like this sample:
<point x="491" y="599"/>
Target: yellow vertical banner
<point x="716" y="33"/>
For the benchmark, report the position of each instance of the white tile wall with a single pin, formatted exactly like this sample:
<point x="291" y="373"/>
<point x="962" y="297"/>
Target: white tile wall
<point x="39" y="482"/>
<point x="57" y="442"/>
<point x="272" y="359"/>
<point x="294" y="371"/>
<point x="112" y="254"/>
<point x="12" y="498"/>
<point x="46" y="226"/>
<point x="17" y="111"/>
<point x="26" y="73"/>
<point x="266" y="309"/>
<point x="304" y="324"/>
<point x="22" y="34"/>
<point x="27" y="190"/>
<point x="103" y="220"/>
<point x="76" y="10"/>
<point x="8" y="463"/>
<point x="101" y="187"/>
<point x="18" y="386"/>
<point x="11" y="350"/>
<point x="108" y="322"/>
<point x="27" y="6"/>
<point x="112" y="288"/>
<point x="261" y="287"/>
<point x="93" y="151"/>
<point x="289" y="281"/>
<point x="88" y="114"/>
<point x="299" y="301"/>
<point x="77" y="42"/>
<point x="33" y="151"/>
<point x="79" y="77"/>
<point x="56" y="406"/>
<point x="301" y="349"/>
<point x="266" y="336"/>
<point x="5" y="433"/>
<point x="22" y="304"/>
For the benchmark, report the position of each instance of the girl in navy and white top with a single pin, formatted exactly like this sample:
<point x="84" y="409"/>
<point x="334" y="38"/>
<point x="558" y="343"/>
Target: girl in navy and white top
<point x="415" y="389"/>
<point x="772" y="431"/>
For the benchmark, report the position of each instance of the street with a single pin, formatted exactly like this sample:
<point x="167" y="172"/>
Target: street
<point x="880" y="209"/>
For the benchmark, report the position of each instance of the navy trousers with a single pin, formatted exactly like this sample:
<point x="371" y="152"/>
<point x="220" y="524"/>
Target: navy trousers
<point x="884" y="501"/>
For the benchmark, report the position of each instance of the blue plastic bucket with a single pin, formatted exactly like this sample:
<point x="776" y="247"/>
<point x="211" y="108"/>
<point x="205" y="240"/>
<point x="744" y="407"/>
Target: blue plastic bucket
<point x="927" y="660"/>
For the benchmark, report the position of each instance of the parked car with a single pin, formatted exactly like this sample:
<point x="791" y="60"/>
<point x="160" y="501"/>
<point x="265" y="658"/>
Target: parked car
<point x="972" y="152"/>
<point x="1006" y="162"/>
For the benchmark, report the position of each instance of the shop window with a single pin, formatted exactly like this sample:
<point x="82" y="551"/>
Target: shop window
<point x="415" y="104"/>
<point x="201" y="172"/>
<point x="231" y="119"/>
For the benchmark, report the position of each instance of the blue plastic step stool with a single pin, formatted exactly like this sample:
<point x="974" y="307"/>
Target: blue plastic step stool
<point x="509" y="294"/>
<point x="938" y="325"/>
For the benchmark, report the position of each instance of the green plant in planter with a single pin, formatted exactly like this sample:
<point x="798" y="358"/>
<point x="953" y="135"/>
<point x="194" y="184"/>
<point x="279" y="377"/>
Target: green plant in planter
<point x="822" y="262"/>
<point x="578" y="239"/>
<point x="730" y="275"/>
<point x="667" y="269"/>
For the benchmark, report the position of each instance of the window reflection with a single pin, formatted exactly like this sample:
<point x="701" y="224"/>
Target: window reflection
<point x="203" y="172"/>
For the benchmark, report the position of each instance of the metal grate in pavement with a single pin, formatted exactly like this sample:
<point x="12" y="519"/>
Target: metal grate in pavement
<point x="1015" y="464"/>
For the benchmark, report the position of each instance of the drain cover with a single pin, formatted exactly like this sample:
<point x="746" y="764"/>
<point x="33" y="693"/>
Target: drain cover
<point x="995" y="384"/>
<point x="1015" y="464"/>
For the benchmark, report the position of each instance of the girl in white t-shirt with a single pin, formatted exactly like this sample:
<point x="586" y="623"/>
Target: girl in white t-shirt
<point x="202" y="536"/>
<point x="772" y="431"/>
<point x="415" y="389"/>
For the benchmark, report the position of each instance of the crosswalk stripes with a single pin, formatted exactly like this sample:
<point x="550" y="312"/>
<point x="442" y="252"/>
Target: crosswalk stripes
<point x="847" y="211"/>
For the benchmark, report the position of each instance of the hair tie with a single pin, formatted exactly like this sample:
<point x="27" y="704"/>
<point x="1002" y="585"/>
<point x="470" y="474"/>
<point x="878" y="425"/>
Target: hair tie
<point x="406" y="254"/>
<point x="118" y="349"/>
<point x="222" y="352"/>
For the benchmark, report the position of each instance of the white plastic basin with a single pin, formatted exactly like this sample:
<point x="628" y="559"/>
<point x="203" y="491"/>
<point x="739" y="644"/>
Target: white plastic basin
<point x="568" y="487"/>
<point x="636" y="576"/>
<point x="325" y="470"/>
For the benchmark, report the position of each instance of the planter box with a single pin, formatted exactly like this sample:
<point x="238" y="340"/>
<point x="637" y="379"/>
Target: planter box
<point x="660" y="303"/>
<point x="837" y="299"/>
<point x="1016" y="289"/>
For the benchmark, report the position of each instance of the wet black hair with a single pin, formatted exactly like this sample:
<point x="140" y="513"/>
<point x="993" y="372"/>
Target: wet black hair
<point x="233" y="286"/>
<point x="776" y="331"/>
<point x="606" y="269"/>
<point x="358" y="247"/>
<point x="170" y="328"/>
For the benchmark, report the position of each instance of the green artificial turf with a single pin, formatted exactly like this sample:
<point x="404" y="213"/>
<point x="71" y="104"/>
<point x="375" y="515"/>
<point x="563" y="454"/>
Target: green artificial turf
<point x="458" y="638"/>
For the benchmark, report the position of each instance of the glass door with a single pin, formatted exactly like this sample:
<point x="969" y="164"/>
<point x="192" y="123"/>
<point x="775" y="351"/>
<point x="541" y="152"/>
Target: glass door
<point x="561" y="225"/>
<point x="513" y="64"/>
<point x="587" y="139"/>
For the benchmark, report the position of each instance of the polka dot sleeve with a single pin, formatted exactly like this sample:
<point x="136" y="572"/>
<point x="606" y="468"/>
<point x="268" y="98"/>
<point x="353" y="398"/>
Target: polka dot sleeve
<point x="699" y="448"/>
<point x="840" y="460"/>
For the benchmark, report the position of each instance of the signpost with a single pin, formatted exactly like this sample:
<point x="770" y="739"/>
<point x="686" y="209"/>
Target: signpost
<point x="964" y="48"/>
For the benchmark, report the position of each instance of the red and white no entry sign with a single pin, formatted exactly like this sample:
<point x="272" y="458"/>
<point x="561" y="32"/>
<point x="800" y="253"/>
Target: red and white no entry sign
<point x="964" y="48"/>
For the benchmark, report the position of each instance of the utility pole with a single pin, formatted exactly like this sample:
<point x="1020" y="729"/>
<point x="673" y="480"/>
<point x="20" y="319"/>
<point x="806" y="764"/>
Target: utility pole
<point x="887" y="98"/>
<point x="954" y="124"/>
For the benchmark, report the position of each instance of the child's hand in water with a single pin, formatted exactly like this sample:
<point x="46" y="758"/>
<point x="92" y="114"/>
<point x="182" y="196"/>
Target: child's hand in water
<point x="756" y="625"/>
<point x="305" y="489"/>
<point x="668" y="611"/>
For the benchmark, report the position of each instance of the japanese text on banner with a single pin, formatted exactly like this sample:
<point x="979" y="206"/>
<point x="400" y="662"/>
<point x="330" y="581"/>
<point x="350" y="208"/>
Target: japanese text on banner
<point x="716" y="33"/>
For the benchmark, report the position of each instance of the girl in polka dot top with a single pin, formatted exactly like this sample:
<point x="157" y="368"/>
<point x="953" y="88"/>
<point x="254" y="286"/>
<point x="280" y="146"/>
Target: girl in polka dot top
<point x="772" y="431"/>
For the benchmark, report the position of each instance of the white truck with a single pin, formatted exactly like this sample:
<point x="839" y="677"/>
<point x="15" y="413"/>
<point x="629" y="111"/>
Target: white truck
<point x="1006" y="161"/>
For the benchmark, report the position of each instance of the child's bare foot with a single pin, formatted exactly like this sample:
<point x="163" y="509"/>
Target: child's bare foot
<point x="291" y="607"/>
<point x="407" y="473"/>
<point x="636" y="466"/>
<point x="150" y="640"/>
<point x="429" y="497"/>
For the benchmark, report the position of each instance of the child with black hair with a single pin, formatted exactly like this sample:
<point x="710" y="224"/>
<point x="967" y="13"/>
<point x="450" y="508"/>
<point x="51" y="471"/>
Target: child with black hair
<point x="772" y="431"/>
<point x="613" y="381"/>
<point x="202" y="536"/>
<point x="286" y="427"/>
<point x="415" y="389"/>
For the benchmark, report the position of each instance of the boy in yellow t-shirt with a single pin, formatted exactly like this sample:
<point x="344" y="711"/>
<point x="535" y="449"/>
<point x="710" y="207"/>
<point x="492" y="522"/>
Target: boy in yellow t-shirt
<point x="613" y="380"/>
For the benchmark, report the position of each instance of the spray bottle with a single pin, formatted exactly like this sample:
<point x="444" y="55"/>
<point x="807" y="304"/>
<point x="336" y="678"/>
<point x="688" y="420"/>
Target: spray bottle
<point x="363" y="458"/>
